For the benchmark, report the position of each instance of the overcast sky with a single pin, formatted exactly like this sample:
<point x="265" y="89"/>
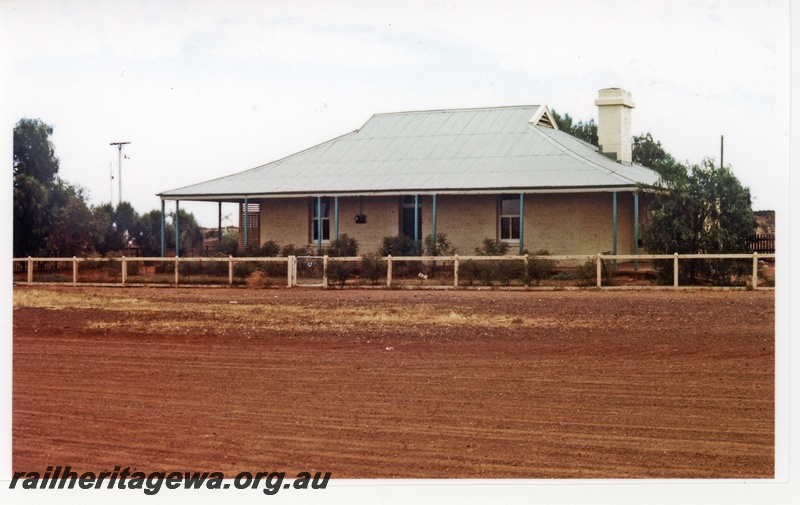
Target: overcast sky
<point x="206" y="89"/>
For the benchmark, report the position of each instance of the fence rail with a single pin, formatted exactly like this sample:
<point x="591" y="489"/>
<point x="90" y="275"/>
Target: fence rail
<point x="529" y="271"/>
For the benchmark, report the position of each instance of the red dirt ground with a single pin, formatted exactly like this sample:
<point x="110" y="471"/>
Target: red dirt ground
<point x="384" y="384"/>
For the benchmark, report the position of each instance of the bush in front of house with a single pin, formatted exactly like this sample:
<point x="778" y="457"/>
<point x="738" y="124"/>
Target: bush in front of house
<point x="293" y="250"/>
<point x="439" y="247"/>
<point x="373" y="268"/>
<point x="540" y="268"/>
<point x="399" y="245"/>
<point x="344" y="246"/>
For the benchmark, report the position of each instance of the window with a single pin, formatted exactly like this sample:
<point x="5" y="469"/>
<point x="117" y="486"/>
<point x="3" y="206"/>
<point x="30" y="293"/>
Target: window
<point x="325" y="217"/>
<point x="509" y="218"/>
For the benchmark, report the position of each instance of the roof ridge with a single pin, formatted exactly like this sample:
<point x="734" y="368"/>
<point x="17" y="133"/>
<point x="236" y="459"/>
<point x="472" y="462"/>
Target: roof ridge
<point x="457" y="109"/>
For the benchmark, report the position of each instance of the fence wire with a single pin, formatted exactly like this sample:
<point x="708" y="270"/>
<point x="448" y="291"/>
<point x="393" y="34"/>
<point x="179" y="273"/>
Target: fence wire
<point x="751" y="271"/>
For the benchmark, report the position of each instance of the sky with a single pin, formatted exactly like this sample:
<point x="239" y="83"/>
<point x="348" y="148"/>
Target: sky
<point x="207" y="89"/>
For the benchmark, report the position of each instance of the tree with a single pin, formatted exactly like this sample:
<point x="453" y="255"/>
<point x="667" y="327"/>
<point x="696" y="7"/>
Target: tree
<point x="34" y="154"/>
<point x="191" y="235"/>
<point x="704" y="210"/>
<point x="585" y="131"/>
<point x="648" y="152"/>
<point x="74" y="231"/>
<point x="51" y="216"/>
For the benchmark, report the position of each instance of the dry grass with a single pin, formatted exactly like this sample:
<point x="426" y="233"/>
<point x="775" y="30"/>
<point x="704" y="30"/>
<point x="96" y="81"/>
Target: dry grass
<point x="179" y="315"/>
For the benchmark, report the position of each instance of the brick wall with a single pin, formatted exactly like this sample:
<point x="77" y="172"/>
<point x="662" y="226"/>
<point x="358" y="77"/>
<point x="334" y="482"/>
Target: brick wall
<point x="579" y="223"/>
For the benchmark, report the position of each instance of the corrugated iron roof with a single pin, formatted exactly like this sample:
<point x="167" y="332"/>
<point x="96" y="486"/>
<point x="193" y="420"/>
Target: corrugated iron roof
<point x="462" y="150"/>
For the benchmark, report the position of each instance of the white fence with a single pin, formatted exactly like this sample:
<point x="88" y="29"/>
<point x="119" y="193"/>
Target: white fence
<point x="524" y="272"/>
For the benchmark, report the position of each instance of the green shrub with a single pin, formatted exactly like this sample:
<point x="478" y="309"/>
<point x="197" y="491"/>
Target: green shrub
<point x="133" y="267"/>
<point x="344" y="246"/>
<point x="292" y="250"/>
<point x="269" y="249"/>
<point x="587" y="273"/>
<point x="244" y="268"/>
<point x="492" y="247"/>
<point x="540" y="268"/>
<point x="440" y="247"/>
<point x="338" y="272"/>
<point x="469" y="270"/>
<point x="373" y="268"/>
<point x="397" y="246"/>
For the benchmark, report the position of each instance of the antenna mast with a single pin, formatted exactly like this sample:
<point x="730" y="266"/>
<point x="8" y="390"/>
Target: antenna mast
<point x="119" y="147"/>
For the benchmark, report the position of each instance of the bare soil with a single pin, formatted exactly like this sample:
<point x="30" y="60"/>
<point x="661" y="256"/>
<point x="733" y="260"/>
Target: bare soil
<point x="385" y="384"/>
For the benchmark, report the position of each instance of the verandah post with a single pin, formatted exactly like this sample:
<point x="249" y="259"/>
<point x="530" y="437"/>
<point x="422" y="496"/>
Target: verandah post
<point x="230" y="270"/>
<point x="124" y="270"/>
<point x="30" y="270"/>
<point x="163" y="219"/>
<point x="455" y="271"/>
<point x="389" y="271"/>
<point x="74" y="271"/>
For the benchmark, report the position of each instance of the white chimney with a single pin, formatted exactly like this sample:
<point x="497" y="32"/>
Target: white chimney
<point x="614" y="124"/>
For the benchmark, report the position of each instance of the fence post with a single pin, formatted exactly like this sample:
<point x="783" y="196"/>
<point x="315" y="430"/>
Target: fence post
<point x="755" y="270"/>
<point x="30" y="270"/>
<point x="177" y="262"/>
<point x="74" y="271"/>
<point x="325" y="271"/>
<point x="599" y="270"/>
<point x="455" y="271"/>
<point x="675" y="271"/>
<point x="230" y="270"/>
<point x="289" y="264"/>
<point x="389" y="271"/>
<point x="124" y="270"/>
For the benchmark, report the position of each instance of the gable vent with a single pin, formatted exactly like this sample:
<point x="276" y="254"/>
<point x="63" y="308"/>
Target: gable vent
<point x="543" y="117"/>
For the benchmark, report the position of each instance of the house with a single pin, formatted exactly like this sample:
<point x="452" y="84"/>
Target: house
<point x="504" y="173"/>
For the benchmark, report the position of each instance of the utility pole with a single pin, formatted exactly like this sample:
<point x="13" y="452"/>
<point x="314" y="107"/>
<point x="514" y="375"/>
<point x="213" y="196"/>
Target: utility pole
<point x="119" y="147"/>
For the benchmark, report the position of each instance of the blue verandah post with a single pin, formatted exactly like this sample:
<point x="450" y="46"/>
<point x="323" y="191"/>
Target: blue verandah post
<point x="163" y="225"/>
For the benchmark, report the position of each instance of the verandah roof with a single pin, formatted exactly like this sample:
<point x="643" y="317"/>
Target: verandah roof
<point x="446" y="151"/>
